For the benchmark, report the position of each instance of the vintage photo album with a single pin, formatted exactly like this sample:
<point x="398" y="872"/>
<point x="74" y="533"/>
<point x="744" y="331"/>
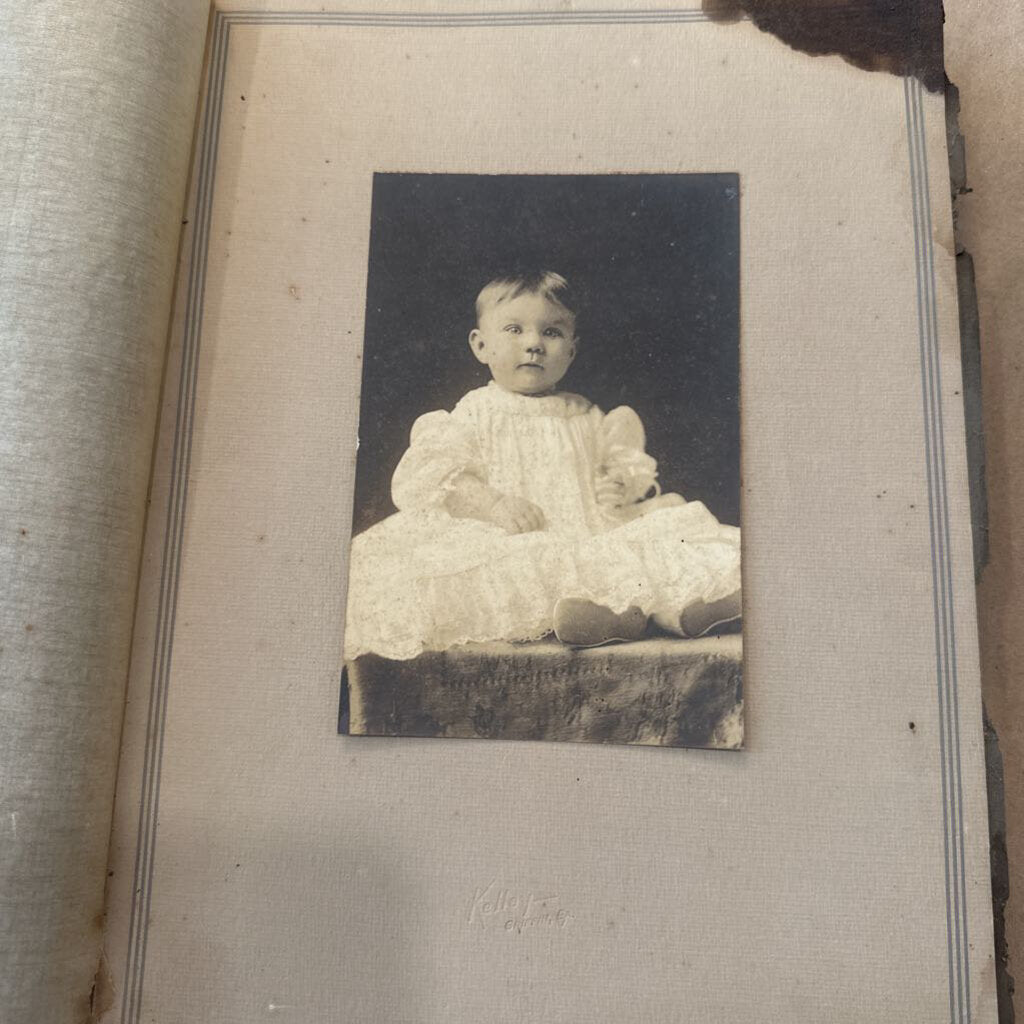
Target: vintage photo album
<point x="556" y="597"/>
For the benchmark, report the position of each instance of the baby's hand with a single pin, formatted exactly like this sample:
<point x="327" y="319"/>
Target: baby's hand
<point x="516" y="515"/>
<point x="610" y="491"/>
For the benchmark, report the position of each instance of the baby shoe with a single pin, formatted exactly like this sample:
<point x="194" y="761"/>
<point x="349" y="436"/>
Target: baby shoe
<point x="581" y="623"/>
<point x="700" y="618"/>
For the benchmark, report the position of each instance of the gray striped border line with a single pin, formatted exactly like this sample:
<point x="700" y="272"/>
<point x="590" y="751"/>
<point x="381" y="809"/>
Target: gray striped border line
<point x="468" y="20"/>
<point x="170" y="569"/>
<point x="942" y="565"/>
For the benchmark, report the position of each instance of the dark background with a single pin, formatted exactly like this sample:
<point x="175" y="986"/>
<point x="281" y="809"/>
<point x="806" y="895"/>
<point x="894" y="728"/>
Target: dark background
<point x="654" y="260"/>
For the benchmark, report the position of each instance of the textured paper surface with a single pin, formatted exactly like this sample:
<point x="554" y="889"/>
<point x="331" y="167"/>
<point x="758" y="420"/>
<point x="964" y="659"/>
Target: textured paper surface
<point x="264" y="865"/>
<point x="97" y="103"/>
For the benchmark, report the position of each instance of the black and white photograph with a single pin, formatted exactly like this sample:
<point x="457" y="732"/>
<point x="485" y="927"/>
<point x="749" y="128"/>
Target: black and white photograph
<point x="546" y="523"/>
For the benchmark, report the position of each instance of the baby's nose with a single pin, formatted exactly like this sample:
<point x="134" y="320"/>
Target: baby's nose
<point x="535" y="345"/>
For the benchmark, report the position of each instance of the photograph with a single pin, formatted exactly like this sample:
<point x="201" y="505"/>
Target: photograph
<point x="546" y="522"/>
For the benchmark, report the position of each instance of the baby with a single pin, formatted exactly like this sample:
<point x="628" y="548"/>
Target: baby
<point x="528" y="510"/>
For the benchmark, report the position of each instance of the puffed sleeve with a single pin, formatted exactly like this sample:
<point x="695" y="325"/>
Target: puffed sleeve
<point x="623" y="457"/>
<point x="441" y="448"/>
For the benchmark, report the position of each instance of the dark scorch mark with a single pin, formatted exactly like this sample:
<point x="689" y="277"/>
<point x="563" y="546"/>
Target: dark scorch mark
<point x="903" y="37"/>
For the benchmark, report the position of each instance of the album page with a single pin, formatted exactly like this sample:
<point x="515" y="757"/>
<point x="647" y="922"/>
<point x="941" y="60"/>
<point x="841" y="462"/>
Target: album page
<point x="484" y="318"/>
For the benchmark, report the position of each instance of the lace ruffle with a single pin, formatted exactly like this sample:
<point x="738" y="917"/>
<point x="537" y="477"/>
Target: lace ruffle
<point x="481" y="584"/>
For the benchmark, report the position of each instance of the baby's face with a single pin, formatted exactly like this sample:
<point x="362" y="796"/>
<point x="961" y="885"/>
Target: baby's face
<point x="528" y="342"/>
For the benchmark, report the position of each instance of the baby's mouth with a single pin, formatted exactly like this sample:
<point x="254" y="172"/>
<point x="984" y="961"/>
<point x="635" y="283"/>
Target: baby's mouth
<point x="531" y="366"/>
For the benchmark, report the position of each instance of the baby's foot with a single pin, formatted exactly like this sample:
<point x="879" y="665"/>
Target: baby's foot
<point x="700" y="618"/>
<point x="581" y="623"/>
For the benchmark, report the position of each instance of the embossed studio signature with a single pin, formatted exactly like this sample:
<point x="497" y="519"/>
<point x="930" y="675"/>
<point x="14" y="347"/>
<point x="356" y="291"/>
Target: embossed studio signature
<point x="516" y="910"/>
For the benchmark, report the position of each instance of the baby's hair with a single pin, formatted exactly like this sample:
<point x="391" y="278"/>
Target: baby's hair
<point x="547" y="283"/>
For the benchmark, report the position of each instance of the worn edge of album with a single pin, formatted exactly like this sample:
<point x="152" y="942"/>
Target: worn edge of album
<point x="97" y="110"/>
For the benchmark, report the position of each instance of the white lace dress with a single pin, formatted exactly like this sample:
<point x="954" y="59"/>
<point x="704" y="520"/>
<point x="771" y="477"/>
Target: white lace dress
<point x="424" y="580"/>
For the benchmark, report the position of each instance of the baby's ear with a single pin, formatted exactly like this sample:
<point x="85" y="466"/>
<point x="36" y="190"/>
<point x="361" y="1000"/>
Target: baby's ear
<point x="478" y="345"/>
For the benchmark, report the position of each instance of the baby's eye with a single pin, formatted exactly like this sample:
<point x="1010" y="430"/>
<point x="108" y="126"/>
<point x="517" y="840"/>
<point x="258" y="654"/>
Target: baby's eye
<point x="514" y="329"/>
<point x="553" y="332"/>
